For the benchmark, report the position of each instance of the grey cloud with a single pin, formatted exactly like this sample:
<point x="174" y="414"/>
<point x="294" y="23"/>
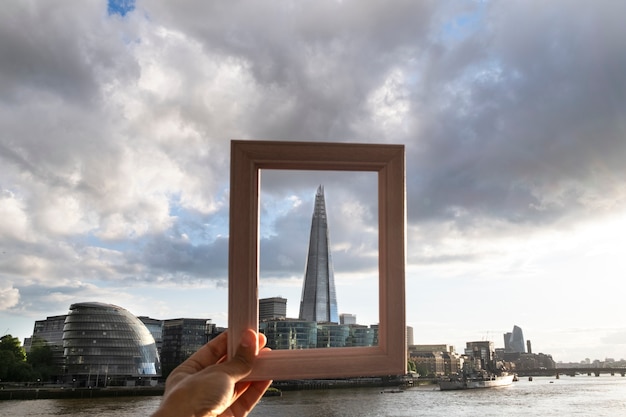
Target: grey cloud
<point x="536" y="135"/>
<point x="172" y="259"/>
<point x="351" y="207"/>
<point x="47" y="49"/>
<point x="512" y="116"/>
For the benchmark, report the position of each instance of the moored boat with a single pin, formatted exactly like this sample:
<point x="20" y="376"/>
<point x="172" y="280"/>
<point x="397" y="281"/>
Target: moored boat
<point x="478" y="380"/>
<point x="480" y="369"/>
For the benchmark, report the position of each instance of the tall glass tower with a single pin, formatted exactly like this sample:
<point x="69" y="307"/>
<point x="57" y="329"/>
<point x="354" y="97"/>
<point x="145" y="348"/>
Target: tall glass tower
<point x="516" y="340"/>
<point x="319" y="299"/>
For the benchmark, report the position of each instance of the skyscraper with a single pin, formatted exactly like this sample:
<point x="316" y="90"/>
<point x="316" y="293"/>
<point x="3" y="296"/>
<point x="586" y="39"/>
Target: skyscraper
<point x="516" y="340"/>
<point x="319" y="299"/>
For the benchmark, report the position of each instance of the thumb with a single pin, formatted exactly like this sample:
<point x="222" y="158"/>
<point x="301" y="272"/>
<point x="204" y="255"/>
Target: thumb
<point x="240" y="365"/>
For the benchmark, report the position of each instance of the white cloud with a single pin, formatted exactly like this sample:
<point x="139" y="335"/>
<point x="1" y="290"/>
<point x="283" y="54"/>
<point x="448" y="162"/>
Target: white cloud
<point x="115" y="143"/>
<point x="9" y="297"/>
<point x="14" y="223"/>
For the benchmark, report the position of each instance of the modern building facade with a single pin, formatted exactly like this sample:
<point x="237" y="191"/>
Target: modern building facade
<point x="319" y="298"/>
<point x="106" y="345"/>
<point x="50" y="331"/>
<point x="289" y="334"/>
<point x="304" y="334"/>
<point x="272" y="308"/>
<point x="409" y="335"/>
<point x="360" y="335"/>
<point x="182" y="337"/>
<point x="514" y="341"/>
<point x="346" y="318"/>
<point x="155" y="327"/>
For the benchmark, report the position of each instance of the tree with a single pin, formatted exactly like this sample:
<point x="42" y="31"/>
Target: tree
<point x="13" y="366"/>
<point x="422" y="369"/>
<point x="13" y="345"/>
<point x="41" y="359"/>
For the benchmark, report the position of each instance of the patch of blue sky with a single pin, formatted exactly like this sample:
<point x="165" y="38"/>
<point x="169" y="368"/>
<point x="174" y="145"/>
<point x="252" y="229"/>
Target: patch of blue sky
<point x="462" y="25"/>
<point x="120" y="7"/>
<point x="175" y="208"/>
<point x="273" y="209"/>
<point x="199" y="228"/>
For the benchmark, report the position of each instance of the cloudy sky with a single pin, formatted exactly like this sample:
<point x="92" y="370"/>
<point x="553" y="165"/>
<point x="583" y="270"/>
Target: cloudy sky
<point x="114" y="158"/>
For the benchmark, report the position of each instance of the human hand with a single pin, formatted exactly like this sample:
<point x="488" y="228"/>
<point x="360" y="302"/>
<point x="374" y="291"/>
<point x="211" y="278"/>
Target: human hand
<point x="207" y="385"/>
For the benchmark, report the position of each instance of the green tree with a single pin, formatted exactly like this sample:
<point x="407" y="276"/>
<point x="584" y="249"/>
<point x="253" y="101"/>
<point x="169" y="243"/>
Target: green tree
<point x="7" y="362"/>
<point x="41" y="359"/>
<point x="13" y="366"/>
<point x="12" y="344"/>
<point x="422" y="370"/>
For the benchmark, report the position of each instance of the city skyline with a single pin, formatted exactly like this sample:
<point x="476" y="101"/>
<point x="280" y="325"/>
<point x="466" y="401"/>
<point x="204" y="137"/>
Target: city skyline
<point x="272" y="305"/>
<point x="115" y="153"/>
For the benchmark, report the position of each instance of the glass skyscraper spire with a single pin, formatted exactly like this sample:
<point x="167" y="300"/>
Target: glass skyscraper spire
<point x="319" y="299"/>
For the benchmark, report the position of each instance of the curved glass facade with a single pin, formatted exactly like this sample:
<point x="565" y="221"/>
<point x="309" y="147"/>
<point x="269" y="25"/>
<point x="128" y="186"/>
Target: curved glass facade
<point x="289" y="334"/>
<point x="360" y="336"/>
<point x="332" y="335"/>
<point x="106" y="341"/>
<point x="303" y="334"/>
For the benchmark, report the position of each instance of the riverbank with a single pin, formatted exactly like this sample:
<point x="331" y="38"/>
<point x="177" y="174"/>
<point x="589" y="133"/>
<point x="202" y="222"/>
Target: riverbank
<point x="60" y="393"/>
<point x="35" y="393"/>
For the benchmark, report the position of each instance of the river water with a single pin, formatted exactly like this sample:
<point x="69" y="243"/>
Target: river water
<point x="544" y="396"/>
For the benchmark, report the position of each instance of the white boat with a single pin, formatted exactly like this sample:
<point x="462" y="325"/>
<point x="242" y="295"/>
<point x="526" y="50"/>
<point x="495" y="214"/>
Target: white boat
<point x="479" y="380"/>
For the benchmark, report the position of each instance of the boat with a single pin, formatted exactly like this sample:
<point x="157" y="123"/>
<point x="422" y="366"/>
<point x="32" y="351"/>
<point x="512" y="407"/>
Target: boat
<point x="473" y="380"/>
<point x="392" y="391"/>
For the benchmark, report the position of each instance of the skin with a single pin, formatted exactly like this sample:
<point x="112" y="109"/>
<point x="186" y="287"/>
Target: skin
<point x="209" y="386"/>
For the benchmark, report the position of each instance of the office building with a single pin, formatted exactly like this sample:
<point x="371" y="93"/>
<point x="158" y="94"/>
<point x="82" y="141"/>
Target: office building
<point x="319" y="299"/>
<point x="182" y="337"/>
<point x="360" y="335"/>
<point x="516" y="341"/>
<point x="289" y="334"/>
<point x="435" y="359"/>
<point x="50" y="331"/>
<point x="409" y="335"/>
<point x="507" y="342"/>
<point x="346" y="318"/>
<point x="272" y="308"/>
<point x="155" y="327"/>
<point x="106" y="345"/>
<point x="481" y="354"/>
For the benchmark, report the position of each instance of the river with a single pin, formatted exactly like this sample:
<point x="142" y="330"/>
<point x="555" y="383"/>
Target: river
<point x="544" y="396"/>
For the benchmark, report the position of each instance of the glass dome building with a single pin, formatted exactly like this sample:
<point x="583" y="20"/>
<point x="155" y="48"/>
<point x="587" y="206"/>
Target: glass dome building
<point x="106" y="345"/>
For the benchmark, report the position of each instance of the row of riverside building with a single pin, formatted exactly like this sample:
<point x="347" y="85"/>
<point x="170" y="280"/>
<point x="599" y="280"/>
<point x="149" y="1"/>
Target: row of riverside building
<point x="441" y="359"/>
<point x="100" y="345"/>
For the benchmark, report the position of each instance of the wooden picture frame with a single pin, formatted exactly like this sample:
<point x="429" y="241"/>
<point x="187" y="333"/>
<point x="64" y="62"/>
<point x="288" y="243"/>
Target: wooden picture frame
<point x="247" y="159"/>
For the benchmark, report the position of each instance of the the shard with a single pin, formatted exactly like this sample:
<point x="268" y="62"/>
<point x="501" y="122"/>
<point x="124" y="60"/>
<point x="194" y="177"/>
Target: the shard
<point x="319" y="299"/>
